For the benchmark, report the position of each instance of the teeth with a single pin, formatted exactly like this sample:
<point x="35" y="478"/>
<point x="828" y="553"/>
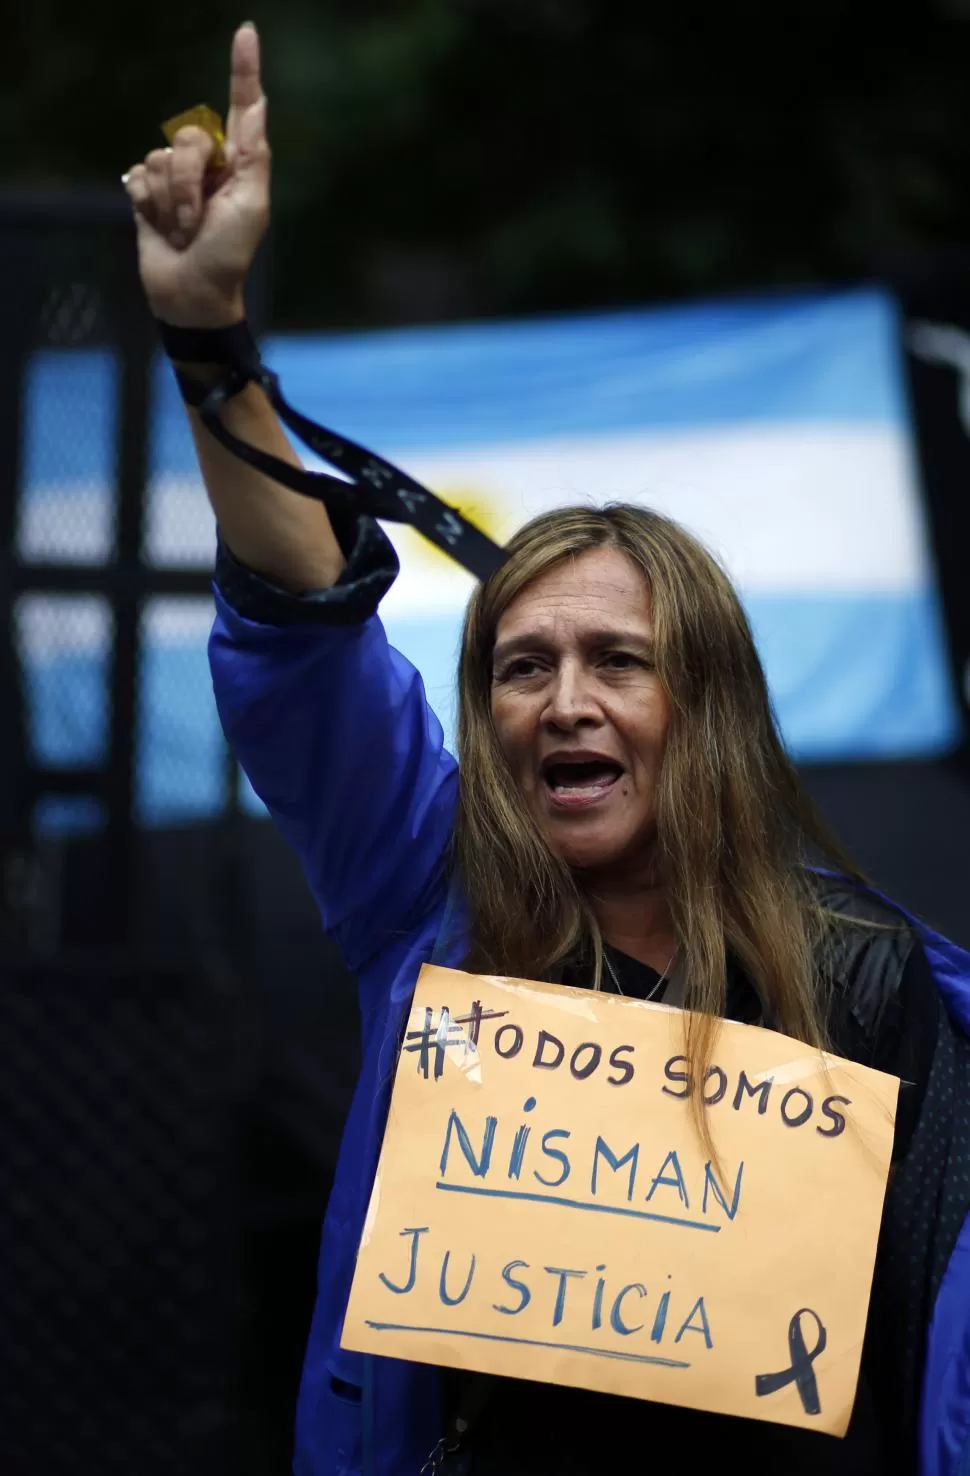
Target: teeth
<point x="599" y="779"/>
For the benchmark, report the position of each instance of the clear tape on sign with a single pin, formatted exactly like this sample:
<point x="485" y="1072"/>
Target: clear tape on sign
<point x="812" y="1065"/>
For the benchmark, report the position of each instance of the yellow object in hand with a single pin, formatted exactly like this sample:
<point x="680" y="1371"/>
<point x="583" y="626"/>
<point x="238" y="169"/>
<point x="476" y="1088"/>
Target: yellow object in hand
<point x="210" y="122"/>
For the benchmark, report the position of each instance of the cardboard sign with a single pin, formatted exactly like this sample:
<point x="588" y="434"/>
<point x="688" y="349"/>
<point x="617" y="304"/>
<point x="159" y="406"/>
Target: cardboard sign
<point x="544" y="1208"/>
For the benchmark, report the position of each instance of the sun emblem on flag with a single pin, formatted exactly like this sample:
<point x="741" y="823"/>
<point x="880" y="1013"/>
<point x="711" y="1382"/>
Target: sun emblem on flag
<point x="480" y="508"/>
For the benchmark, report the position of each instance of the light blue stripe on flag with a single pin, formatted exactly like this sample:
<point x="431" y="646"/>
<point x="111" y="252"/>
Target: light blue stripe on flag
<point x="828" y="357"/>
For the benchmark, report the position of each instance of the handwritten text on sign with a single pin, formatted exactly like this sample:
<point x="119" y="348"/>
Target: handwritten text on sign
<point x="544" y="1208"/>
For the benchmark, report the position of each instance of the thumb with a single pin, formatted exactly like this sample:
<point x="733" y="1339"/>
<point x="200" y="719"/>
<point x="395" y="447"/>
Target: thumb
<point x="252" y="153"/>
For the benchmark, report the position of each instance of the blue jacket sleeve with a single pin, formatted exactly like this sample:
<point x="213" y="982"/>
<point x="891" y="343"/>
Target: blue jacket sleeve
<point x="332" y="728"/>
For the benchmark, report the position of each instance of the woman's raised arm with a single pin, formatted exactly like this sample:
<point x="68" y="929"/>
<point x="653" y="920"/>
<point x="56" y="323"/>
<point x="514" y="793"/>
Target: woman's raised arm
<point x="197" y="235"/>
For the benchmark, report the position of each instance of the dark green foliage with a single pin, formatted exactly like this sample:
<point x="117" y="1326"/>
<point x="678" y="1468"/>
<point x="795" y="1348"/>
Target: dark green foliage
<point x="445" y="158"/>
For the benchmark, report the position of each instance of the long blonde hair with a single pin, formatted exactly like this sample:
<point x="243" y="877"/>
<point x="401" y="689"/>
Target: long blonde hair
<point x="733" y="822"/>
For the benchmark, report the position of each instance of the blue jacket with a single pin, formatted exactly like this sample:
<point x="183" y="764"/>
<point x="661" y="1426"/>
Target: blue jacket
<point x="332" y="727"/>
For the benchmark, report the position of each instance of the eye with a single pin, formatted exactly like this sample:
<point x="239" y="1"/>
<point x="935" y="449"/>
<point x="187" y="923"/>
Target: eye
<point x="621" y="660"/>
<point x="520" y="669"/>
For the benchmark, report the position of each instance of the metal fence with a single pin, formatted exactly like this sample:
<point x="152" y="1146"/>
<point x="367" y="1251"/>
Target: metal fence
<point x="119" y="1222"/>
<point x="76" y="379"/>
<point x="120" y="1062"/>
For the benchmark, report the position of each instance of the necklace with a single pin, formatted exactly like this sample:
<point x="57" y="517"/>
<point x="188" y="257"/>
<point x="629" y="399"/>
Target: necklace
<point x="656" y="988"/>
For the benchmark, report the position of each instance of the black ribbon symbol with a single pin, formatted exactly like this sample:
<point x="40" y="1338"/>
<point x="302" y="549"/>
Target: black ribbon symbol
<point x="800" y="1371"/>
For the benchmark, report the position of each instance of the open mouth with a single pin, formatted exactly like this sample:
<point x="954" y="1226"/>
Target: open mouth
<point x="582" y="777"/>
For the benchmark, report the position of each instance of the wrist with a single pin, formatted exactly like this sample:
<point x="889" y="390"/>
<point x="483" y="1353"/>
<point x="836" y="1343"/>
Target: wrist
<point x="211" y="361"/>
<point x="207" y="374"/>
<point x="208" y="313"/>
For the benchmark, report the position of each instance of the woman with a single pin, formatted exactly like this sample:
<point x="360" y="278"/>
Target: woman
<point x="626" y="819"/>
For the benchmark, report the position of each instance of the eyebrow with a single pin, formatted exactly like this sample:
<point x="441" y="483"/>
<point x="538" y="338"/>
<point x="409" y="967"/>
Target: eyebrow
<point x="597" y="639"/>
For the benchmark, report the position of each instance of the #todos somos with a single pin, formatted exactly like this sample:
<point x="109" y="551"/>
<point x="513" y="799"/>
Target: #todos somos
<point x="795" y="1105"/>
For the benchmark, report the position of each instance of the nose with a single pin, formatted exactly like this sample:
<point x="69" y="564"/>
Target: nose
<point x="571" y="698"/>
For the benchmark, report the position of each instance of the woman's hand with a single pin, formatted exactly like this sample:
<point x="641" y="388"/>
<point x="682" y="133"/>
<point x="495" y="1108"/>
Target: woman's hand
<point x="198" y="232"/>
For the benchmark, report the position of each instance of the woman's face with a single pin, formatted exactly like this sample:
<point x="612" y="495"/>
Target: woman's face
<point x="579" y="710"/>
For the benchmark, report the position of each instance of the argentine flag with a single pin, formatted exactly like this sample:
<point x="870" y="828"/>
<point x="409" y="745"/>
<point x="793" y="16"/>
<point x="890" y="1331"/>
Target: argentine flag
<point x="774" y="429"/>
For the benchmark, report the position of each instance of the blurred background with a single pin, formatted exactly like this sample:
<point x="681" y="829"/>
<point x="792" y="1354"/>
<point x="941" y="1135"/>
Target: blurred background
<point x="711" y="258"/>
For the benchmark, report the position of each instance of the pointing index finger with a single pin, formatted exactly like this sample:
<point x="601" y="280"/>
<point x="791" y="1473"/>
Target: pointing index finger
<point x="245" y="85"/>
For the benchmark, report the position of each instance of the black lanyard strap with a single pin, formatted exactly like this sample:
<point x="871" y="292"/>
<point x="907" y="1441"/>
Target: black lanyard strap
<point x="376" y="486"/>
